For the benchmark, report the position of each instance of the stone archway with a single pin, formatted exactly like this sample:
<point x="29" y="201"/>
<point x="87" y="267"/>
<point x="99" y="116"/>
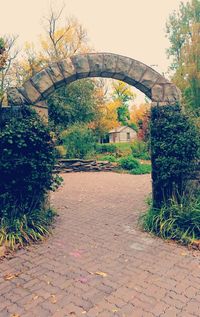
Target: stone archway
<point x="41" y="85"/>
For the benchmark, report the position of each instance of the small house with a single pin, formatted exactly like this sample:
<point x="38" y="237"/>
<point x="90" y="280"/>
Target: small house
<point x="122" y="134"/>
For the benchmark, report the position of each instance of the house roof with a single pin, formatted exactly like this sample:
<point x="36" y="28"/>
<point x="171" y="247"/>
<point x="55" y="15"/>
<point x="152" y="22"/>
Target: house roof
<point x="119" y="129"/>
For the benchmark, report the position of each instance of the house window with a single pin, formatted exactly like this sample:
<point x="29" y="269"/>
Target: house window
<point x="128" y="136"/>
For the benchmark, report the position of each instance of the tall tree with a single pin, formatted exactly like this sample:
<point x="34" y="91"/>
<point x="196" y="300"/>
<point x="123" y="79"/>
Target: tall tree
<point x="123" y="94"/>
<point x="183" y="31"/>
<point x="8" y="55"/>
<point x="74" y="103"/>
<point x="60" y="39"/>
<point x="2" y="53"/>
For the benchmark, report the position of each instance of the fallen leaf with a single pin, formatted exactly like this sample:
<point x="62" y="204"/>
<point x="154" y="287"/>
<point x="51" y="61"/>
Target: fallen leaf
<point x="15" y="315"/>
<point x="101" y="274"/>
<point x="10" y="276"/>
<point x="114" y="310"/>
<point x="35" y="297"/>
<point x="53" y="299"/>
<point x="183" y="253"/>
<point x="196" y="244"/>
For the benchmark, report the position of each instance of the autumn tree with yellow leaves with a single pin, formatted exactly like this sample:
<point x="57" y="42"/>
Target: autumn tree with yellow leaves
<point x="183" y="31"/>
<point x="58" y="41"/>
<point x="8" y="55"/>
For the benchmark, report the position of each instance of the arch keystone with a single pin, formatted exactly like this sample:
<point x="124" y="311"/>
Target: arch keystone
<point x="109" y="64"/>
<point x="96" y="64"/>
<point x="81" y="65"/>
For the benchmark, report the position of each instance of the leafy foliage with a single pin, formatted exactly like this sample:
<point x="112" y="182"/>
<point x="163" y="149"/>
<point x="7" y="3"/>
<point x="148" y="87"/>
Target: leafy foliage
<point x="141" y="169"/>
<point x="140" y="150"/>
<point x="79" y="141"/>
<point x="122" y="94"/>
<point x="129" y="163"/>
<point x="183" y="30"/>
<point x="109" y="158"/>
<point x="21" y="229"/>
<point x="178" y="219"/>
<point x="61" y="151"/>
<point x="73" y="103"/>
<point x="2" y="53"/>
<point x="106" y="148"/>
<point x="27" y="160"/>
<point x="174" y="148"/>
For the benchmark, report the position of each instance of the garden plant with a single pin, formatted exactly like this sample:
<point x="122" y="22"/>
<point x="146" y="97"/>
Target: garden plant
<point x="27" y="159"/>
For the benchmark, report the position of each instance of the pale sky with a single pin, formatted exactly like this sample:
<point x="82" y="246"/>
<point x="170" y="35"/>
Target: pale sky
<point x="134" y="28"/>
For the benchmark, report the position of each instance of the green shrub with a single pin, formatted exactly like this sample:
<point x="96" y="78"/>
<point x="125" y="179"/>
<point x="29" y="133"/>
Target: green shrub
<point x="141" y="169"/>
<point x="109" y="158"/>
<point x="79" y="141"/>
<point x="129" y="163"/>
<point x="27" y="159"/>
<point x="174" y="149"/>
<point x="178" y="220"/>
<point x="106" y="148"/>
<point x="140" y="150"/>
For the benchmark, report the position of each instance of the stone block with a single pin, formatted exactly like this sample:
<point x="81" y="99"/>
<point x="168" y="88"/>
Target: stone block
<point x="109" y="65"/>
<point x="68" y="70"/>
<point x="130" y="81"/>
<point x="137" y="70"/>
<point x="143" y="89"/>
<point x="96" y="64"/>
<point x="42" y="81"/>
<point x="30" y="92"/>
<point x="171" y="93"/>
<point x="56" y="75"/>
<point x="15" y="98"/>
<point x="149" y="78"/>
<point x="157" y="92"/>
<point x="81" y="65"/>
<point x="122" y="68"/>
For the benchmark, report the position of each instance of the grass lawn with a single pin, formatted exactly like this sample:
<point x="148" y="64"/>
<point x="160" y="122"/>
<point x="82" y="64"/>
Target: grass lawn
<point x="123" y="146"/>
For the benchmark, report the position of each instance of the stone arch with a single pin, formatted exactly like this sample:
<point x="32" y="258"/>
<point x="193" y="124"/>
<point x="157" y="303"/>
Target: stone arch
<point x="108" y="65"/>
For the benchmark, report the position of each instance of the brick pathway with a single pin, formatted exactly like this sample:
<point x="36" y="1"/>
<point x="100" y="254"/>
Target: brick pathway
<point x="97" y="262"/>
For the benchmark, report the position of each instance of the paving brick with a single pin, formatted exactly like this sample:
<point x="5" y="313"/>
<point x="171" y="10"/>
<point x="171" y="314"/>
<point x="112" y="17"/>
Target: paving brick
<point x="88" y="266"/>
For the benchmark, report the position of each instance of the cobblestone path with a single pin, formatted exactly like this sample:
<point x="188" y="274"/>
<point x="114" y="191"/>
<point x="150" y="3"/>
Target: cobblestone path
<point x="98" y="262"/>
